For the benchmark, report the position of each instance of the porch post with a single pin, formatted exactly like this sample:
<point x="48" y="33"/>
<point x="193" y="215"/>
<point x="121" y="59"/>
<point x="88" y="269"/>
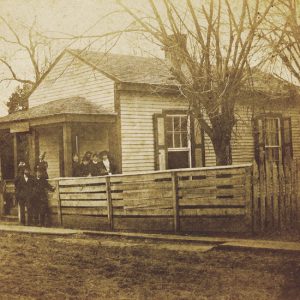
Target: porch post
<point x="15" y="150"/>
<point x="67" y="149"/>
<point x="33" y="148"/>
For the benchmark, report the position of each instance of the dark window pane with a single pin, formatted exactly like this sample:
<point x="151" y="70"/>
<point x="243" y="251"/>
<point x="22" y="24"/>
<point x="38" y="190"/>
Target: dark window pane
<point x="177" y="123"/>
<point x="178" y="159"/>
<point x="170" y="140"/>
<point x="183" y="123"/>
<point x="177" y="140"/>
<point x="184" y="140"/>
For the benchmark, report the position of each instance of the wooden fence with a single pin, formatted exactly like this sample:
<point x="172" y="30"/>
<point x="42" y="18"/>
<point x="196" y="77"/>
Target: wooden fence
<point x="244" y="198"/>
<point x="276" y="196"/>
<point x="203" y="199"/>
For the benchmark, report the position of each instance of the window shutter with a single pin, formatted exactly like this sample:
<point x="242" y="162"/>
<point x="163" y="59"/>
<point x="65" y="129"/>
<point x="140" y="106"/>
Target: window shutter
<point x="286" y="135"/>
<point x="197" y="149"/>
<point x="259" y="140"/>
<point x="160" y="142"/>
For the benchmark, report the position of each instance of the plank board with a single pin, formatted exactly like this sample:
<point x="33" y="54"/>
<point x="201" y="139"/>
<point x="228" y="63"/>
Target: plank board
<point x="86" y="211"/>
<point x="143" y="212"/>
<point x="83" y="196"/>
<point x="211" y="202"/>
<point x="212" y="181"/>
<point x="213" y="212"/>
<point x="81" y="181"/>
<point x="203" y="192"/>
<point x="141" y="185"/>
<point x="146" y="194"/>
<point x="82" y="189"/>
<point x="211" y="172"/>
<point x="83" y="203"/>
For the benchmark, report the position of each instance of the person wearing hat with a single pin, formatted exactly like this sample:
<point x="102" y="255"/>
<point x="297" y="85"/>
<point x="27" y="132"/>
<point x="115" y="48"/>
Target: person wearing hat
<point x="24" y="185"/>
<point x="95" y="165"/>
<point x="107" y="167"/>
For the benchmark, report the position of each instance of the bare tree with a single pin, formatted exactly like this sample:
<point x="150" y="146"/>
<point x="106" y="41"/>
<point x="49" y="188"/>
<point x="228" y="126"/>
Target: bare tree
<point x="33" y="47"/>
<point x="32" y="44"/>
<point x="284" y="37"/>
<point x="212" y="49"/>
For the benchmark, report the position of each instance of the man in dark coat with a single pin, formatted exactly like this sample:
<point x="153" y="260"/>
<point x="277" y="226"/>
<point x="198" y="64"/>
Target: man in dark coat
<point x="24" y="184"/>
<point x="41" y="189"/>
<point x="85" y="168"/>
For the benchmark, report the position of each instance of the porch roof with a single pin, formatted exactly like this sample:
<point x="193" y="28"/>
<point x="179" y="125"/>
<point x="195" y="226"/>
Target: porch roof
<point x="67" y="109"/>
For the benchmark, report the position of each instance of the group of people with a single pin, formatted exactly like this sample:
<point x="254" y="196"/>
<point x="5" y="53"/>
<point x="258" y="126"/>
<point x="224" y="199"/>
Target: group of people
<point x="32" y="192"/>
<point x="93" y="164"/>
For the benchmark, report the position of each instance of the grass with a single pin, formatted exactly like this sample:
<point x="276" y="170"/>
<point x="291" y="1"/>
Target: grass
<point x="44" y="267"/>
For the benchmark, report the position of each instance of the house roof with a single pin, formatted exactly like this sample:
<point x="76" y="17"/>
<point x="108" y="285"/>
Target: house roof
<point x="66" y="106"/>
<point x="128" y="68"/>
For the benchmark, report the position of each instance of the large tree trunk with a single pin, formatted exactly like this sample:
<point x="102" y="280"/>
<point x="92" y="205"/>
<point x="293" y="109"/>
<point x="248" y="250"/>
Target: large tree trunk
<point x="222" y="147"/>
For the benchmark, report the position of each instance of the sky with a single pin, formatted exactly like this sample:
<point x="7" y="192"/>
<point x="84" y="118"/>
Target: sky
<point x="57" y="18"/>
<point x="60" y="17"/>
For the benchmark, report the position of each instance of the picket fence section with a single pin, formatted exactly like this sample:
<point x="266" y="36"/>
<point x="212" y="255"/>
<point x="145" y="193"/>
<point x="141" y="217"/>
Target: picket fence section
<point x="203" y="192"/>
<point x="276" y="196"/>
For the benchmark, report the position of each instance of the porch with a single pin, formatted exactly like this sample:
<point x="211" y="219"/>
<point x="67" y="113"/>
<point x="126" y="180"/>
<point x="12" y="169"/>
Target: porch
<point x="60" y="128"/>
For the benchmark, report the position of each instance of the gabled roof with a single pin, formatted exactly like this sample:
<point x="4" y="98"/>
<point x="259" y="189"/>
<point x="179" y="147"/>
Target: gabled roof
<point x="128" y="68"/>
<point x="69" y="106"/>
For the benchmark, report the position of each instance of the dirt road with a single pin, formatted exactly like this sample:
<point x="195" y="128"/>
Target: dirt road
<point x="80" y="267"/>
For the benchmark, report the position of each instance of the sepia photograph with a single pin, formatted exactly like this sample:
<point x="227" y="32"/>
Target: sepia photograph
<point x="150" y="149"/>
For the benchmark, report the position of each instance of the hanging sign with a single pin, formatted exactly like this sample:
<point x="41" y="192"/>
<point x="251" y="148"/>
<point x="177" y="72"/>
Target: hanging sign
<point x="19" y="127"/>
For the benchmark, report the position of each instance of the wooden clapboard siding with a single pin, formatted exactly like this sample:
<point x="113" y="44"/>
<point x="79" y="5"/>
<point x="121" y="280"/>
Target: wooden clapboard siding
<point x="71" y="77"/>
<point x="137" y="131"/>
<point x="242" y="143"/>
<point x="49" y="140"/>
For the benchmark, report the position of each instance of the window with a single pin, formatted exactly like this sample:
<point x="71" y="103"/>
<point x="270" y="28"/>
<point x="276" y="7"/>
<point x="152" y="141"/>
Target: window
<point x="177" y="132"/>
<point x="178" y="144"/>
<point x="178" y="141"/>
<point x="273" y="138"/>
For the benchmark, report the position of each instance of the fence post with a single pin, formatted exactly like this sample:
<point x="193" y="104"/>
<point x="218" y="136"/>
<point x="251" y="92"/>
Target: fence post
<point x="57" y="196"/>
<point x="255" y="206"/>
<point x="175" y="201"/>
<point x="2" y="190"/>
<point x="109" y="204"/>
<point x="249" y="198"/>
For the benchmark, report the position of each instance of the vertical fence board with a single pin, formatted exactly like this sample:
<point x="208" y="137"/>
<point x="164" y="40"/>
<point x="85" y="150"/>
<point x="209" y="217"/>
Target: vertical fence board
<point x="56" y="196"/>
<point x="255" y="198"/>
<point x="248" y="198"/>
<point x="175" y="201"/>
<point x="275" y="197"/>
<point x="109" y="204"/>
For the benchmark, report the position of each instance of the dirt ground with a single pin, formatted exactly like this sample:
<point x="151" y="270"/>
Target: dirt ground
<point x="81" y="267"/>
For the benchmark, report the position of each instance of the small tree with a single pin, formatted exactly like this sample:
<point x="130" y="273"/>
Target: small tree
<point x="213" y="66"/>
<point x="19" y="98"/>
